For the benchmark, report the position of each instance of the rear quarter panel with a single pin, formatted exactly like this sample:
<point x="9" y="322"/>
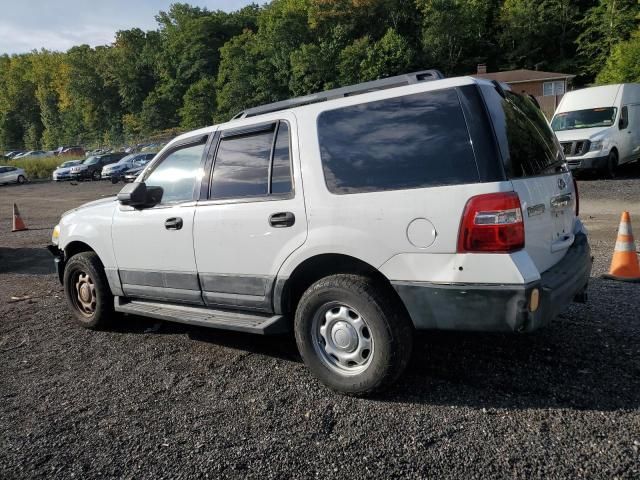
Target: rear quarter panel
<point x="373" y="227"/>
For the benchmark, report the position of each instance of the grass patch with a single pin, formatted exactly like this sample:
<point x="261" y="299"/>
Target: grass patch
<point x="36" y="168"/>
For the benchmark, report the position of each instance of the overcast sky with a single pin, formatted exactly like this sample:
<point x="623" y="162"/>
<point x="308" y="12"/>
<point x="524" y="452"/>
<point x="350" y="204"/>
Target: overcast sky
<point x="60" y="24"/>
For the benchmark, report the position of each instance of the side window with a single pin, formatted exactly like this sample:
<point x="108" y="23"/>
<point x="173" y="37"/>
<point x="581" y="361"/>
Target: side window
<point x="529" y="146"/>
<point x="281" y="171"/>
<point x="414" y="141"/>
<point x="243" y="164"/>
<point x="624" y="118"/>
<point x="177" y="174"/>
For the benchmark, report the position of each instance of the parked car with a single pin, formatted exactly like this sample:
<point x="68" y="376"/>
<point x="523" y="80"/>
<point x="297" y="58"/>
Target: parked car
<point x="117" y="170"/>
<point x="91" y="167"/>
<point x="13" y="154"/>
<point x="353" y="217"/>
<point x="10" y="174"/>
<point x="98" y="151"/>
<point x="73" y="151"/>
<point x="31" y="154"/>
<point x="131" y="174"/>
<point x="599" y="127"/>
<point x="63" y="172"/>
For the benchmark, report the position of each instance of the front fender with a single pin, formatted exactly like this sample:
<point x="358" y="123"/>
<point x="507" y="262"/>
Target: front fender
<point x="91" y="226"/>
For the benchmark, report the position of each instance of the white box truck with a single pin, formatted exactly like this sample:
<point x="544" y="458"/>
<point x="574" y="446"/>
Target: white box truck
<point x="599" y="127"/>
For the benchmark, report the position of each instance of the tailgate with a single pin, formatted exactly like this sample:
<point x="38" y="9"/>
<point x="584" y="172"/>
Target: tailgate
<point x="548" y="204"/>
<point x="535" y="164"/>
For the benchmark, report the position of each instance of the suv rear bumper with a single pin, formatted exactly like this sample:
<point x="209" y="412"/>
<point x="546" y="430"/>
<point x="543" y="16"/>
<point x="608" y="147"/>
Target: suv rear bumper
<point x="499" y="308"/>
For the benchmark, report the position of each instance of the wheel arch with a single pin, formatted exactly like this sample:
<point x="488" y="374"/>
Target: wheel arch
<point x="76" y="246"/>
<point x="288" y="291"/>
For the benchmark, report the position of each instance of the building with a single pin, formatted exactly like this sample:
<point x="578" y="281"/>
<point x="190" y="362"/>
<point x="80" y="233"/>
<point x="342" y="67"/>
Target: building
<point x="547" y="87"/>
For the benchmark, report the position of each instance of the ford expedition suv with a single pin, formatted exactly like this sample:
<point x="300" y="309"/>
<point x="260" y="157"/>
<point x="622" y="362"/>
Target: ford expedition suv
<point x="352" y="217"/>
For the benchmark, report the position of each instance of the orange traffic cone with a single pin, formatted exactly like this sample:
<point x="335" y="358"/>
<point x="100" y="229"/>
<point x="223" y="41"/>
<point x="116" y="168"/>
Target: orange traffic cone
<point x="624" y="264"/>
<point x="18" y="224"/>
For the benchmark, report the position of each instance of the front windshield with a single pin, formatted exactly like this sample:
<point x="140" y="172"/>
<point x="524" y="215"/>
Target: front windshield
<point x="593" y="117"/>
<point x="91" y="160"/>
<point x="70" y="163"/>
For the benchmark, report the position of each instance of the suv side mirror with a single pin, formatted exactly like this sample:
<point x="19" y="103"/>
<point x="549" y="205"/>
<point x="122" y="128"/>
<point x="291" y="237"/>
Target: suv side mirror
<point x="138" y="195"/>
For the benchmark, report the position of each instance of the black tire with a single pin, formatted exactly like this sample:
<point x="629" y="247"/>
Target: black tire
<point x="96" y="175"/>
<point x="386" y="322"/>
<point x="115" y="180"/>
<point x="612" y="165"/>
<point x="21" y="179"/>
<point x="83" y="264"/>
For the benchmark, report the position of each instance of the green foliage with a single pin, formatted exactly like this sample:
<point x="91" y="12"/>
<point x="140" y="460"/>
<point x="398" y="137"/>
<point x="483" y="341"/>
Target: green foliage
<point x="623" y="66"/>
<point x="37" y="168"/>
<point x="605" y="25"/>
<point x="200" y="66"/>
<point x="199" y="104"/>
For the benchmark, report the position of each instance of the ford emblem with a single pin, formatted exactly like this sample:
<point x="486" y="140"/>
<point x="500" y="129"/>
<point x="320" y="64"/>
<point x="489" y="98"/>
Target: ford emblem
<point x="562" y="184"/>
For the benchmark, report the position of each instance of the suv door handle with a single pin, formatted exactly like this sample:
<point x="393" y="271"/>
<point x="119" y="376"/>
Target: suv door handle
<point x="174" y="223"/>
<point x="282" y="219"/>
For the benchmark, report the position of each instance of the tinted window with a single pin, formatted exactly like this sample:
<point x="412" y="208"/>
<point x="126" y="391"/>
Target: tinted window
<point x="281" y="171"/>
<point x="177" y="174"/>
<point x="528" y="145"/>
<point x="624" y="117"/>
<point x="241" y="166"/>
<point x="407" y="142"/>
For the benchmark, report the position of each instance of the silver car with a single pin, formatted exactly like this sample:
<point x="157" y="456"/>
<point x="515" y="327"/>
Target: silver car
<point x="12" y="175"/>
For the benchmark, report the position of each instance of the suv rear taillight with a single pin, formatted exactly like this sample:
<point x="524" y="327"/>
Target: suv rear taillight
<point x="575" y="189"/>
<point x="492" y="223"/>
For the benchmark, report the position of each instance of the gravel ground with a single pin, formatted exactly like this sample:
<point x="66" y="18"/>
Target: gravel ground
<point x="160" y="400"/>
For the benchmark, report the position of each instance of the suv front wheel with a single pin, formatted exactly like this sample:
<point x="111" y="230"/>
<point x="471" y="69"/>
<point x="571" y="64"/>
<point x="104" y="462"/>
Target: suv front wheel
<point x="87" y="291"/>
<point x="352" y="334"/>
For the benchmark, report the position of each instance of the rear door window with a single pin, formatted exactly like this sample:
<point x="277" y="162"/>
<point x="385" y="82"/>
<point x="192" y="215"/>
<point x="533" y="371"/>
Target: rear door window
<point x="527" y="143"/>
<point x="413" y="141"/>
<point x="255" y="164"/>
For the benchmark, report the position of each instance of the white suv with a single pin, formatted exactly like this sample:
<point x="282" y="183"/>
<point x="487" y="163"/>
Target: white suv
<point x="351" y="217"/>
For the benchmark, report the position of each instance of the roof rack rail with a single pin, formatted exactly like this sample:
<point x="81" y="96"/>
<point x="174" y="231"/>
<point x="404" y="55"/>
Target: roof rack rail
<point x="365" y="87"/>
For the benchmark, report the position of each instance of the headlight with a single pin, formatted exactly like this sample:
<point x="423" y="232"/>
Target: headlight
<point x="55" y="235"/>
<point x="596" y="146"/>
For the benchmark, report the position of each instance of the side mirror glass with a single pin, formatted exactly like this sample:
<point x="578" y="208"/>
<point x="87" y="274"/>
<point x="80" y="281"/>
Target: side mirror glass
<point x="138" y="195"/>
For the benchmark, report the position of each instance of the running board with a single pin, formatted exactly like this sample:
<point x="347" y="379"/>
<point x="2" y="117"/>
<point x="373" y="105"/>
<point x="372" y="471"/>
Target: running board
<point x="204" y="317"/>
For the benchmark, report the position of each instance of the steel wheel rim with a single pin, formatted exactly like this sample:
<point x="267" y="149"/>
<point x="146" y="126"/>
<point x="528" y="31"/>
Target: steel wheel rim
<point x="84" y="294"/>
<point x="342" y="339"/>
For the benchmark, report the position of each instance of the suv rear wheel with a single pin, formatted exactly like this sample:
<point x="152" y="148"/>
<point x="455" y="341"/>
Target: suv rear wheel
<point x="87" y="291"/>
<point x="352" y="335"/>
<point x="96" y="175"/>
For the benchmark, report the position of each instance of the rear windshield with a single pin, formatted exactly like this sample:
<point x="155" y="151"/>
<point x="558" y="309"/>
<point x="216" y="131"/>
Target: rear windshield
<point x="414" y="141"/>
<point x="593" y="117"/>
<point x="528" y="145"/>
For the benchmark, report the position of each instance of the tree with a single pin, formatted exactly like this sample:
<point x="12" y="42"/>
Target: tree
<point x="199" y="104"/>
<point x="623" y="65"/>
<point x="455" y="33"/>
<point x="605" y="25"/>
<point x="391" y="55"/>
